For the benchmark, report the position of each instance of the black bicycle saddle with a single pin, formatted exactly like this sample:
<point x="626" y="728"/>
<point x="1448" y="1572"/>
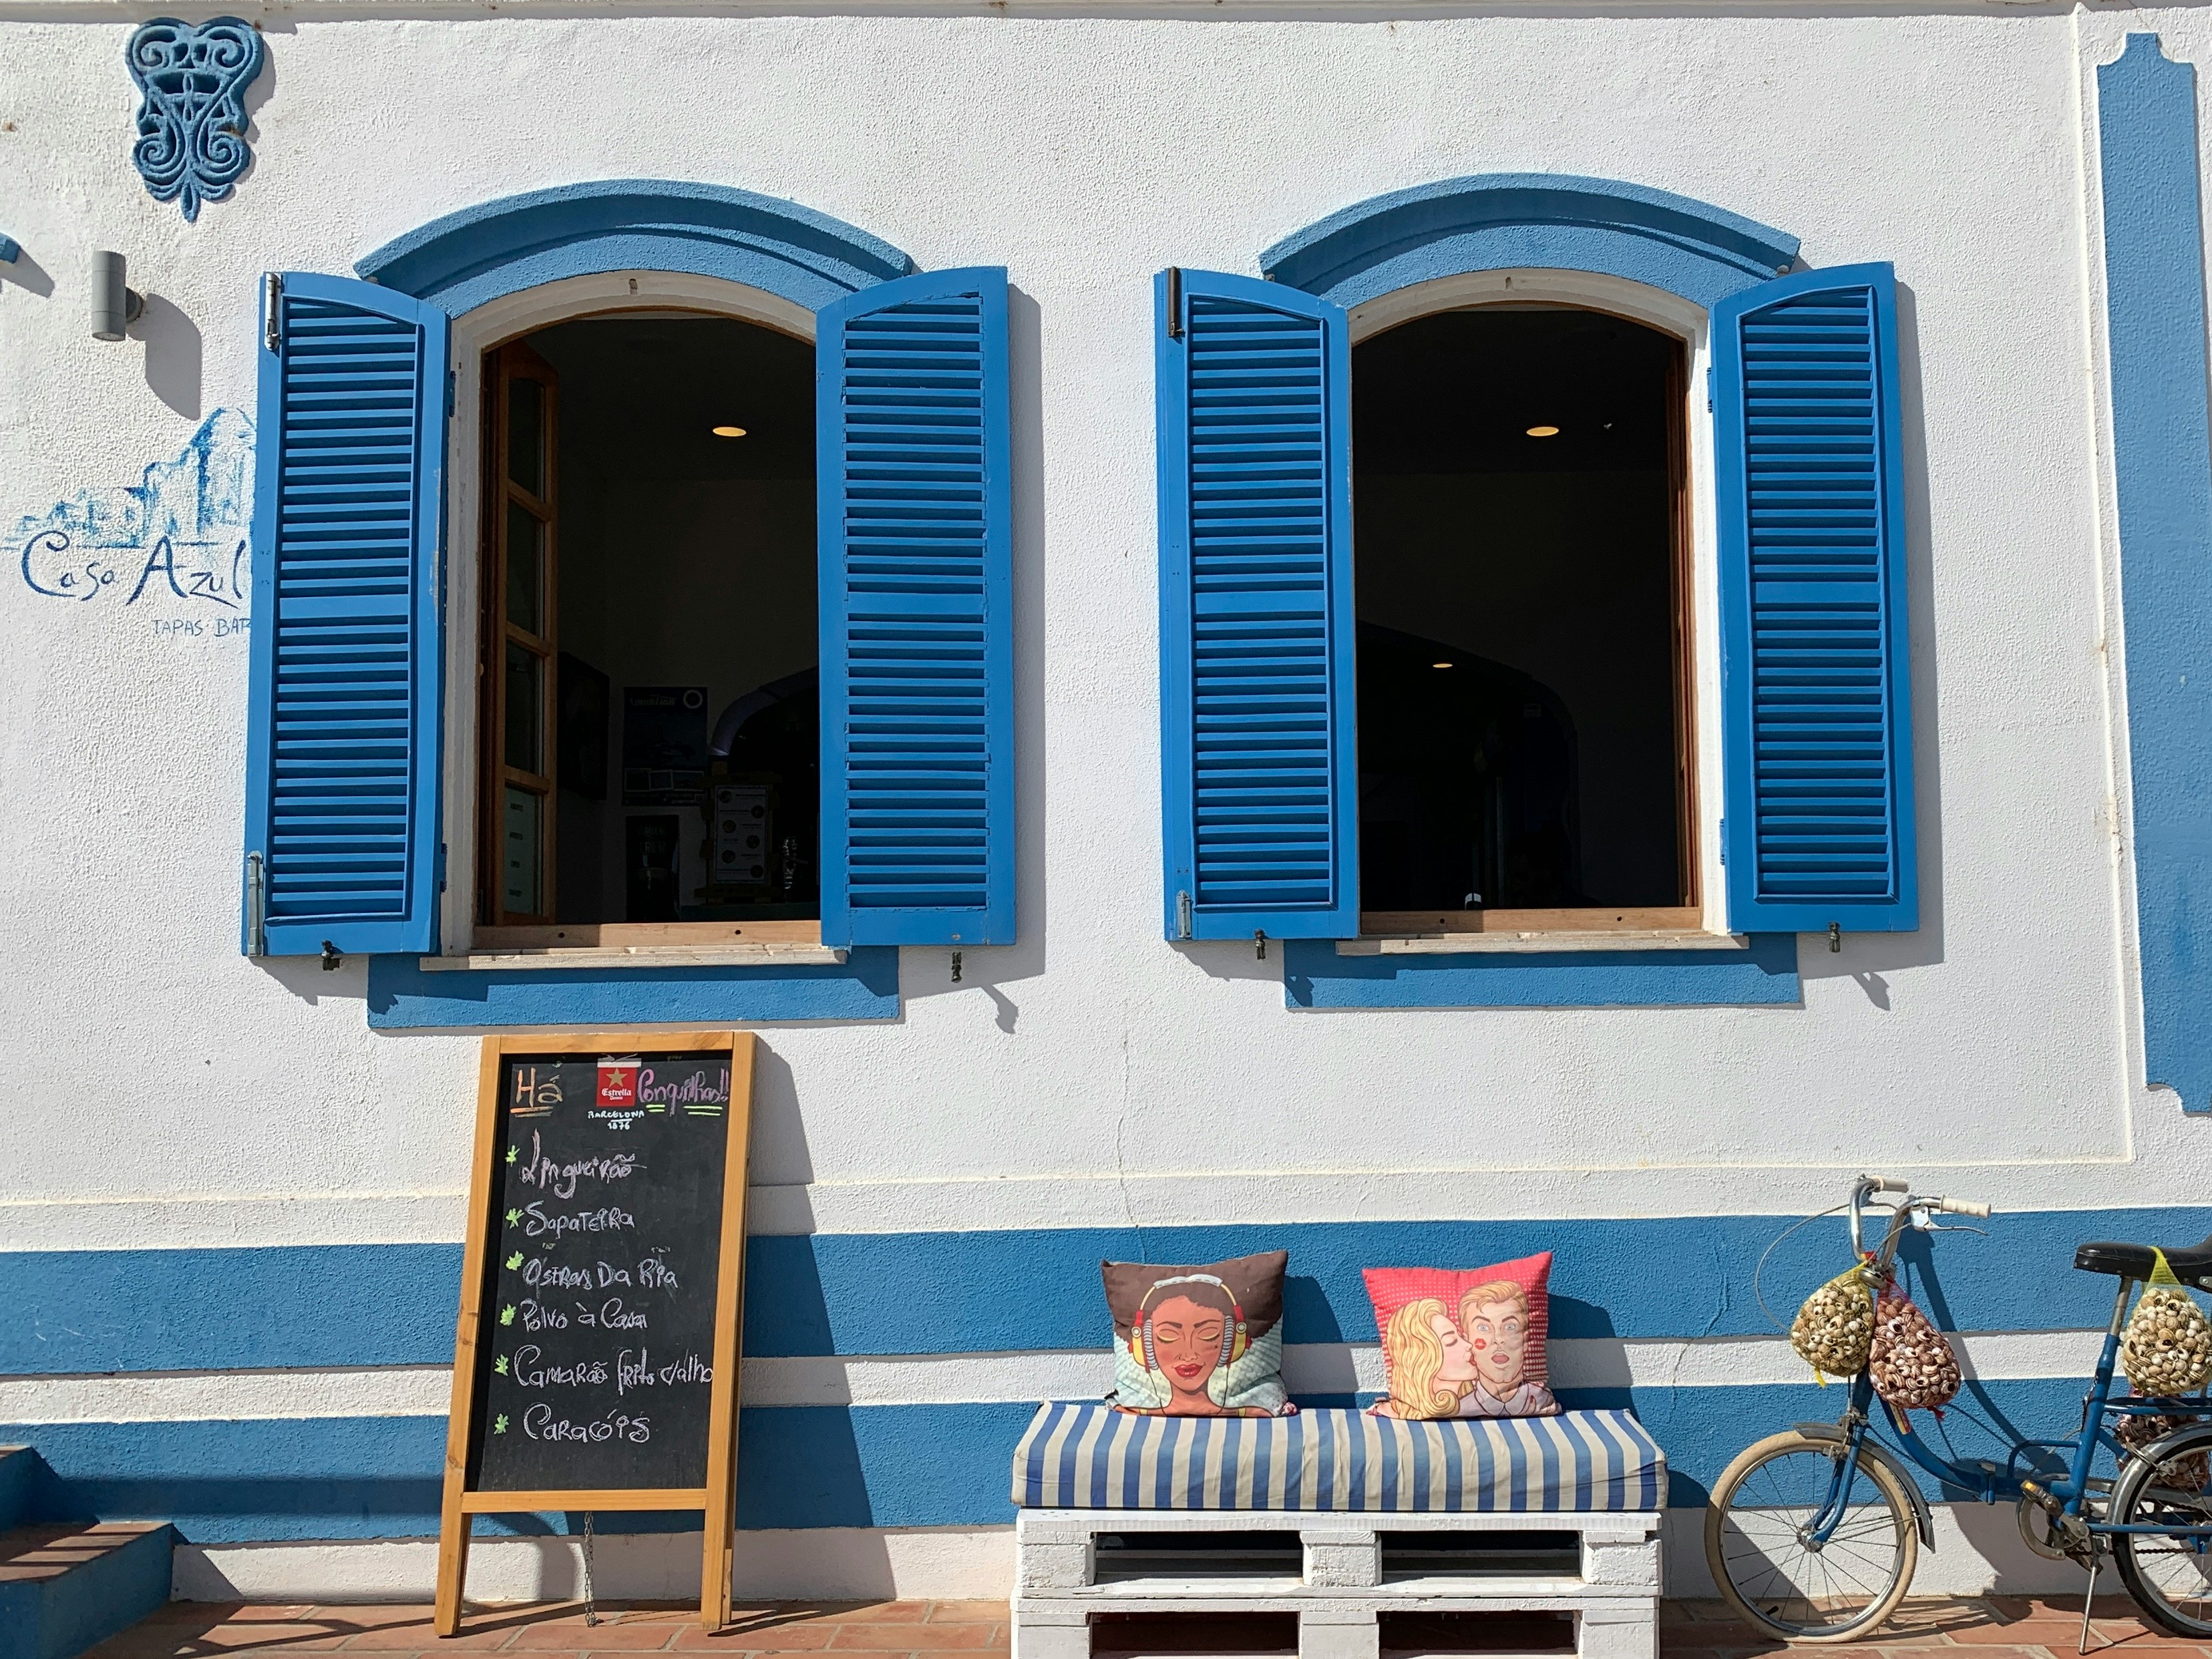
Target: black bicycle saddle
<point x="2191" y="1263"/>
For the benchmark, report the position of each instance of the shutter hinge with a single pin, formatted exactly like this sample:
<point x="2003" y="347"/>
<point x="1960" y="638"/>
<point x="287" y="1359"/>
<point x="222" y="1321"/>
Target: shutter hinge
<point x="257" y="907"/>
<point x="272" y="309"/>
<point x="1709" y="391"/>
<point x="1182" y="916"/>
<point x="1724" y="841"/>
<point x="449" y="394"/>
<point x="441" y="867"/>
<point x="1175" y="305"/>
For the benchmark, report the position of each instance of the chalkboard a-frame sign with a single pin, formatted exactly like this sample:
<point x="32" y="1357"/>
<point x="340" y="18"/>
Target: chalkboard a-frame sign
<point x="596" y="1364"/>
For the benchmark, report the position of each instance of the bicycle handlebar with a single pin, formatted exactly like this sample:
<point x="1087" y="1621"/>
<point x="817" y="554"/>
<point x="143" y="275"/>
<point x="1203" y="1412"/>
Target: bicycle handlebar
<point x="1869" y="1185"/>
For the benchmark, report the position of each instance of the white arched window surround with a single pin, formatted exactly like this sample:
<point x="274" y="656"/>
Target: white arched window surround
<point x="1689" y="322"/>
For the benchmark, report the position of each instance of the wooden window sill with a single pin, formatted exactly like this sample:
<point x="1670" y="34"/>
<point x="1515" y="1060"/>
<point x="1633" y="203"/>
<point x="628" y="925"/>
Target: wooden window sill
<point x="764" y="954"/>
<point x="642" y="944"/>
<point x="1395" y="932"/>
<point x="1440" y="945"/>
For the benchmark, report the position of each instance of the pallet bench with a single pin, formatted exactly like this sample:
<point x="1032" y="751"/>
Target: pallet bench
<point x="1340" y="1518"/>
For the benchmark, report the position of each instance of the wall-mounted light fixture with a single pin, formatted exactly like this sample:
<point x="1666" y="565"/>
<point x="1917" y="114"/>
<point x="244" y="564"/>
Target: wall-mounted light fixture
<point x="11" y="250"/>
<point x="114" y="307"/>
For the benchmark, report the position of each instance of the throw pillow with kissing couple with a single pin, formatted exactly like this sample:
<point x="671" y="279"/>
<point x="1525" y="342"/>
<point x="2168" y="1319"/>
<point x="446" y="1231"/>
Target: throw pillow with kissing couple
<point x="1464" y="1343"/>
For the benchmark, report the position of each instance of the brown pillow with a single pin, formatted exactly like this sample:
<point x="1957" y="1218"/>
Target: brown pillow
<point x="1199" y="1341"/>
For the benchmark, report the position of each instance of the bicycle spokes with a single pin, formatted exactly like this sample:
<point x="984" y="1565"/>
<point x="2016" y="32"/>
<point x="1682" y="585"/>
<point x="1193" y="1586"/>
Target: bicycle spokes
<point x="1811" y="1542"/>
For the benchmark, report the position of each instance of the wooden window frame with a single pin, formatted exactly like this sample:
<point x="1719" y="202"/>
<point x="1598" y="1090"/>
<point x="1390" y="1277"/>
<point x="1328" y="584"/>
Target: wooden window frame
<point x="1688" y="916"/>
<point x="497" y="632"/>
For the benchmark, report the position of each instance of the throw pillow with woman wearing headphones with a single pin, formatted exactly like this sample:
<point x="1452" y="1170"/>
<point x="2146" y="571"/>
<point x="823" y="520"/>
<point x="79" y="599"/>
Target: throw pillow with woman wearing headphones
<point x="1199" y="1341"/>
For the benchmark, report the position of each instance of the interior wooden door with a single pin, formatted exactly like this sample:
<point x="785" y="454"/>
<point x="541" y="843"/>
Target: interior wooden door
<point x="517" y="668"/>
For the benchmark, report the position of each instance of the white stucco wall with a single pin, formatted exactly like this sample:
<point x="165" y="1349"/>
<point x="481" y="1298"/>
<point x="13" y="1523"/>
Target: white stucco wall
<point x="1136" y="1077"/>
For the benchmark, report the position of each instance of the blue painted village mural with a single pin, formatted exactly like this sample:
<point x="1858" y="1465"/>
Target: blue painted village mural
<point x="177" y="540"/>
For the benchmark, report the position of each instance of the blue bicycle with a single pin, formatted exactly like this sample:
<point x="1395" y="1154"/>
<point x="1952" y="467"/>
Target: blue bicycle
<point x="1814" y="1534"/>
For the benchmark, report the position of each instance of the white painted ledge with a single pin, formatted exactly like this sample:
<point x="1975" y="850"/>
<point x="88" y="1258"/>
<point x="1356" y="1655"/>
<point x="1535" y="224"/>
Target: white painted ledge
<point x="1019" y="1378"/>
<point x="766" y="954"/>
<point x="1453" y="945"/>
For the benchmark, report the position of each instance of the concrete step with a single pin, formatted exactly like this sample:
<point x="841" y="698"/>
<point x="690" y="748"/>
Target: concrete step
<point x="19" y="1475"/>
<point x="64" y="1588"/>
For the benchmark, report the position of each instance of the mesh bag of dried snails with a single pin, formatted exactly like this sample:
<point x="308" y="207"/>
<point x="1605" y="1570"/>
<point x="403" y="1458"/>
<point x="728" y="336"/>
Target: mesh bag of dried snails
<point x="1912" y="1365"/>
<point x="2189" y="1473"/>
<point x="2167" y="1346"/>
<point x="1832" y="1329"/>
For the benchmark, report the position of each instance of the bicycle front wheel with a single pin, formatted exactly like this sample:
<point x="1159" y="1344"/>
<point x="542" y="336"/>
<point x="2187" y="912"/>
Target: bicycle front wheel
<point x="2169" y="1574"/>
<point x="1770" y="1566"/>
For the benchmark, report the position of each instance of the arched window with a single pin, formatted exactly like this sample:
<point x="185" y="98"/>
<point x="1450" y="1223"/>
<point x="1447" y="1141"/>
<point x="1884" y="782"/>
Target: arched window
<point x="1514" y="584"/>
<point x="658" y="616"/>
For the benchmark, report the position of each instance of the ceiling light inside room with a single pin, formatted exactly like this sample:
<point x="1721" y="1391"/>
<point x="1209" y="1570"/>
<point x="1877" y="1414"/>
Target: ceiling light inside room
<point x="1440" y="664"/>
<point x="729" y="432"/>
<point x="1543" y="432"/>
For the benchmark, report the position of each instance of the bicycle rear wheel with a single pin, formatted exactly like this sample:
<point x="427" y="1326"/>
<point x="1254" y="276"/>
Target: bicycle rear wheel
<point x="2169" y="1575"/>
<point x="1768" y="1566"/>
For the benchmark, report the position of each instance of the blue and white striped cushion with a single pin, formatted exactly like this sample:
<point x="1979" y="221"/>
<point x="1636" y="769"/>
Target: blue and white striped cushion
<point x="1090" y="1456"/>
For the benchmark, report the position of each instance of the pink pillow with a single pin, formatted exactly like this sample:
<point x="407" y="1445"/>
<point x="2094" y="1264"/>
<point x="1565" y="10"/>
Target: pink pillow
<point x="1464" y="1344"/>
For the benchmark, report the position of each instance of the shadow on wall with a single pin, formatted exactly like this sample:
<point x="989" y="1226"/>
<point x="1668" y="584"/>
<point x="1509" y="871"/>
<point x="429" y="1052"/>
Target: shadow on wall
<point x="172" y="355"/>
<point x="1866" y="956"/>
<point x="928" y="973"/>
<point x="27" y="274"/>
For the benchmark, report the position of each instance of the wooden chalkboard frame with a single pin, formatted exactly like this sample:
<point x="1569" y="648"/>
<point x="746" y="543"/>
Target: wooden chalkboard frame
<point x="717" y="1499"/>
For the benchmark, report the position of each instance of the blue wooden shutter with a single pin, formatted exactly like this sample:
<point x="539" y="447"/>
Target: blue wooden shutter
<point x="1817" y="691"/>
<point x="1261" y="774"/>
<point x="342" y="752"/>
<point x="914" y="461"/>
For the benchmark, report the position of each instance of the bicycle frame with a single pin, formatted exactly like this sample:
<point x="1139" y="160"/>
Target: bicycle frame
<point x="1984" y="1480"/>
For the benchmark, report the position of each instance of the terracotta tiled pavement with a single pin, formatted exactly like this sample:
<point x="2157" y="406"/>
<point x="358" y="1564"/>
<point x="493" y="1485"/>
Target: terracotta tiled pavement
<point x="1991" y="1628"/>
<point x="185" y="1630"/>
<point x="1995" y="1627"/>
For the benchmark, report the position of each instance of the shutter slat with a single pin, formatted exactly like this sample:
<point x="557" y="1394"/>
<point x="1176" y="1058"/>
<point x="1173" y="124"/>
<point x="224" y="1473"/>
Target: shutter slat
<point x="917" y="579"/>
<point x="1819" y="745"/>
<point x="342" y="733"/>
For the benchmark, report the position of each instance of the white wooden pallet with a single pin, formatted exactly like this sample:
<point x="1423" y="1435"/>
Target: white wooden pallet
<point x="1613" y="1600"/>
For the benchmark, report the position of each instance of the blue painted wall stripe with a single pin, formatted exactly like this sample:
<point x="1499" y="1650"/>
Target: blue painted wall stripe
<point x="401" y="996"/>
<point x="2162" y="442"/>
<point x="1765" y="971"/>
<point x="799" y="1466"/>
<point x="894" y="1293"/>
<point x="76" y="1311"/>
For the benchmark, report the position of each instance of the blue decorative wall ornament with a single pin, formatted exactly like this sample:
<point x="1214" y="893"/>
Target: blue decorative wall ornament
<point x="2162" y="457"/>
<point x="192" y="142"/>
<point x="1515" y="220"/>
<point x="484" y="252"/>
<point x="11" y="250"/>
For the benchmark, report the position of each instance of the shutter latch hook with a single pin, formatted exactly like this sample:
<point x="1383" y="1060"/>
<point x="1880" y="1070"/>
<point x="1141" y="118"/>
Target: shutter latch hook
<point x="956" y="967"/>
<point x="1260" y="942"/>
<point x="331" y="959"/>
<point x="1835" y="936"/>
